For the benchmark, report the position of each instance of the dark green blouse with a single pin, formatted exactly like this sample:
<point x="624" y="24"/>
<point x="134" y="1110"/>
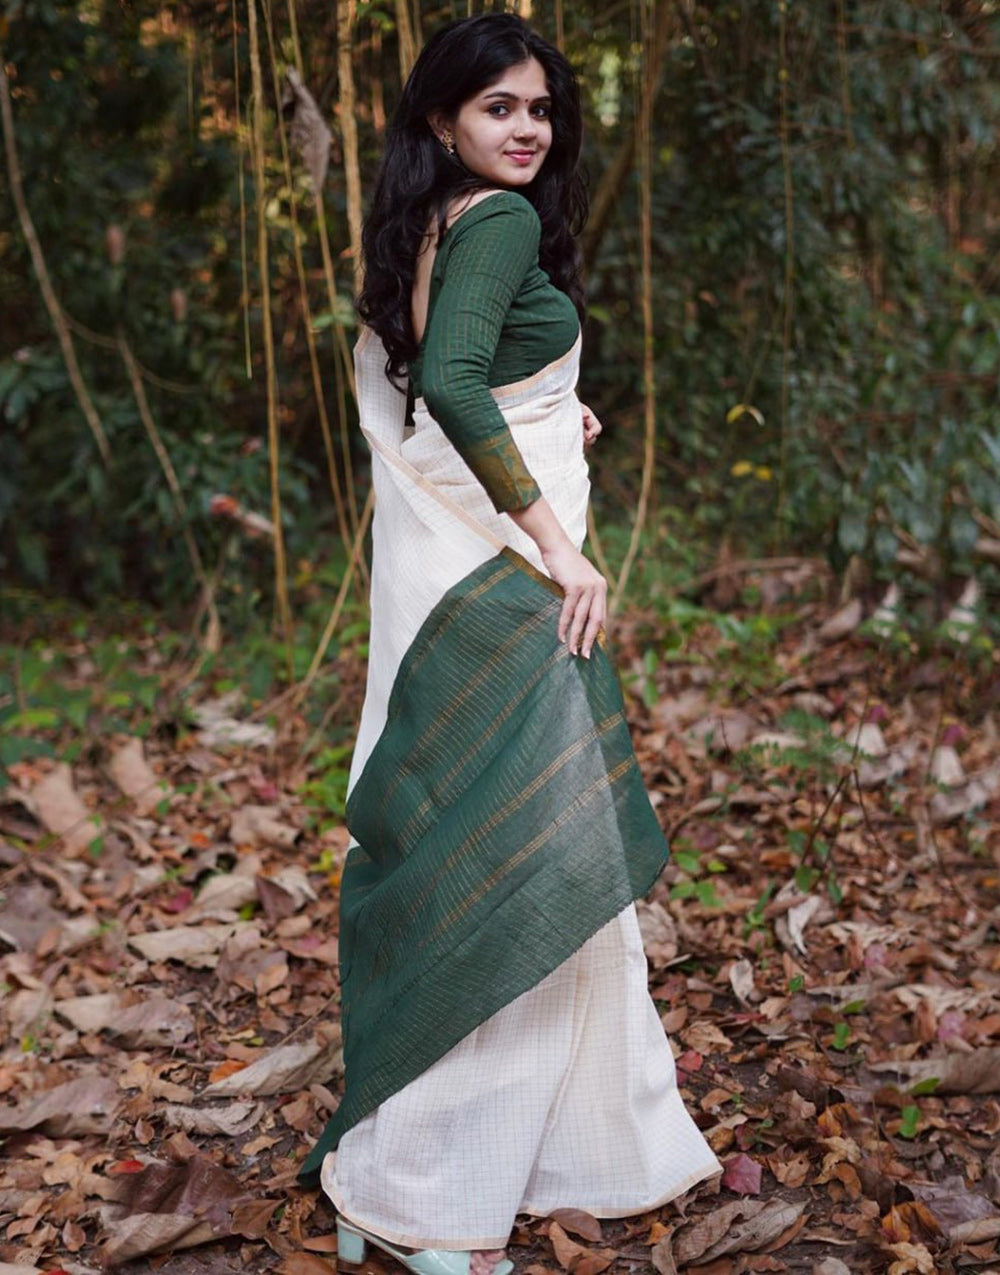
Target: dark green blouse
<point x="493" y="317"/>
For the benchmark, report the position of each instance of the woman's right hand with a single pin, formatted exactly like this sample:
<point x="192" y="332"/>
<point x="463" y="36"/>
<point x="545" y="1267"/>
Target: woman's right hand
<point x="585" y="605"/>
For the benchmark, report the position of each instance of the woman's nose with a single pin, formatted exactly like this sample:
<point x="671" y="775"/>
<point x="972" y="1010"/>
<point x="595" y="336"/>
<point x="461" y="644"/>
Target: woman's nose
<point x="524" y="124"/>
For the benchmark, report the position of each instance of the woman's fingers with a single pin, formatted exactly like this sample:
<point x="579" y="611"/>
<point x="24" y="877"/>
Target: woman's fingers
<point x="580" y="613"/>
<point x="570" y="598"/>
<point x="586" y="615"/>
<point x="591" y="425"/>
<point x="584" y="603"/>
<point x="595" y="623"/>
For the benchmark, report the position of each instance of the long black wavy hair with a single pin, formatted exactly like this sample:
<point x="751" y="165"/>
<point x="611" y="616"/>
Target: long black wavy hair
<point x="418" y="178"/>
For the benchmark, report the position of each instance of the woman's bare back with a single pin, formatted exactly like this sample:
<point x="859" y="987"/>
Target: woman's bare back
<point x="425" y="259"/>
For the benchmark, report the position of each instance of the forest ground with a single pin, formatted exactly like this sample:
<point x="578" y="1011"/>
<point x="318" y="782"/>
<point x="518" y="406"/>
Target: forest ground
<point x="824" y="948"/>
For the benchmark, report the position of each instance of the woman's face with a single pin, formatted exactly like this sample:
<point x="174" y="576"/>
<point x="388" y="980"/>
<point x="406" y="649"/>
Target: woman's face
<point x="504" y="133"/>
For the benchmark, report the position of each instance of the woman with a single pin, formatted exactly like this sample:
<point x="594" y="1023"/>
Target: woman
<point x="502" y="1053"/>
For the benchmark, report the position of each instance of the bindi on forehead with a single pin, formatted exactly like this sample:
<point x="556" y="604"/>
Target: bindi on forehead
<point x="504" y="95"/>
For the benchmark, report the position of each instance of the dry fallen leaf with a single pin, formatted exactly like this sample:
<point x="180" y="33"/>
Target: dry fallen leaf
<point x="305" y="1264"/>
<point x="230" y="1120"/>
<point x="742" y="1226"/>
<point x="911" y="1259"/>
<point x="320" y="1243"/>
<point x="283" y="1070"/>
<point x="742" y="1174"/>
<point x="662" y="1256"/>
<point x="62" y="811"/>
<point x="261" y="826"/>
<point x="742" y="982"/>
<point x="170" y="1206"/>
<point x="148" y="1233"/>
<point x="135" y="777"/>
<point x="977" y="1072"/>
<point x="89" y="1013"/>
<point x="194" y="945"/>
<point x="156" y="1020"/>
<point x="842" y="623"/>
<point x="86" y="1105"/>
<point x="577" y="1222"/>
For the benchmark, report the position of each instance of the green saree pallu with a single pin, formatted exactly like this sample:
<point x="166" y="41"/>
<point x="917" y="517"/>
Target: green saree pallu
<point x="497" y="813"/>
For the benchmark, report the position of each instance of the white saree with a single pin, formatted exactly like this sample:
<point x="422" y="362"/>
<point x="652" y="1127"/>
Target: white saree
<point x="567" y="1096"/>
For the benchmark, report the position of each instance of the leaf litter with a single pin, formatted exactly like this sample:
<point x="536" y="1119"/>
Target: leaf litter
<point x="824" y="950"/>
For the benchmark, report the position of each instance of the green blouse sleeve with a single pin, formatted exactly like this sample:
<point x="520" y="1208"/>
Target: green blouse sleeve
<point x="487" y="260"/>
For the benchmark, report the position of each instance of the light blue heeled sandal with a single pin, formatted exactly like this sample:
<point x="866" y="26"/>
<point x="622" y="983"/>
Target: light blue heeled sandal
<point x="352" y="1243"/>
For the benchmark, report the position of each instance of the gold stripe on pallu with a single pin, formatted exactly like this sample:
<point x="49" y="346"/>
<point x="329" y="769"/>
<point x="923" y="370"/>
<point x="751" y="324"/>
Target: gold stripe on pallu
<point x="512" y="806"/>
<point x="604" y="781"/>
<point x="447" y="717"/>
<point x="560" y="653"/>
<point x="456" y="613"/>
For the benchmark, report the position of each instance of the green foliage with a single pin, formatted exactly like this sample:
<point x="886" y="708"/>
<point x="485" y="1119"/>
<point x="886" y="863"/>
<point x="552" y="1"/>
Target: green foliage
<point x="131" y="170"/>
<point x="48" y="695"/>
<point x="826" y="320"/>
<point x="890" y="368"/>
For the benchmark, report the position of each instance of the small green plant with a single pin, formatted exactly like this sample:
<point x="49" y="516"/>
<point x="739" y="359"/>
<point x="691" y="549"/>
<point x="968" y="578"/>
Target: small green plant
<point x="909" y="1124"/>
<point x="841" y="1037"/>
<point x="755" y="919"/>
<point x="694" y="884"/>
<point x="926" y="1086"/>
<point x="326" y="791"/>
<point x="812" y="752"/>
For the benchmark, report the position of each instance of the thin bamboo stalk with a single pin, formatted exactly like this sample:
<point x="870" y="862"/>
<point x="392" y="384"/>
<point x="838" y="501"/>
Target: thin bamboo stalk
<point x="241" y="187"/>
<point x="42" y="273"/>
<point x="645" y="153"/>
<point x="346" y="18"/>
<point x="300" y="269"/>
<point x="560" y="27"/>
<point x="342" y="362"/>
<point x="354" y="562"/>
<point x="263" y="265"/>
<point x="596" y="545"/>
<point x="213" y="635"/>
<point x="375" y="78"/>
<point x="405" y="37"/>
<point x="789" y="273"/>
<point x="845" y="79"/>
<point x="343" y="366"/>
<point x="293" y="27"/>
<point x="608" y="192"/>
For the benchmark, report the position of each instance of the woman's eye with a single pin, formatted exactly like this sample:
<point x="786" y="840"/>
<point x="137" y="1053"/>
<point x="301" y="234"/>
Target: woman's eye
<point x="498" y="109"/>
<point x="542" y="112"/>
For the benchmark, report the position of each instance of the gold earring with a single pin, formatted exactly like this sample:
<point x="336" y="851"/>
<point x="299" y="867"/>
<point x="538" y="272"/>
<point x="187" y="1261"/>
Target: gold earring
<point x="448" y="141"/>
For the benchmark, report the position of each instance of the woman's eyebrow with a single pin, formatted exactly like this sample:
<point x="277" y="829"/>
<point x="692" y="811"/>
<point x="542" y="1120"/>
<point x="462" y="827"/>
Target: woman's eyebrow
<point x="512" y="97"/>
